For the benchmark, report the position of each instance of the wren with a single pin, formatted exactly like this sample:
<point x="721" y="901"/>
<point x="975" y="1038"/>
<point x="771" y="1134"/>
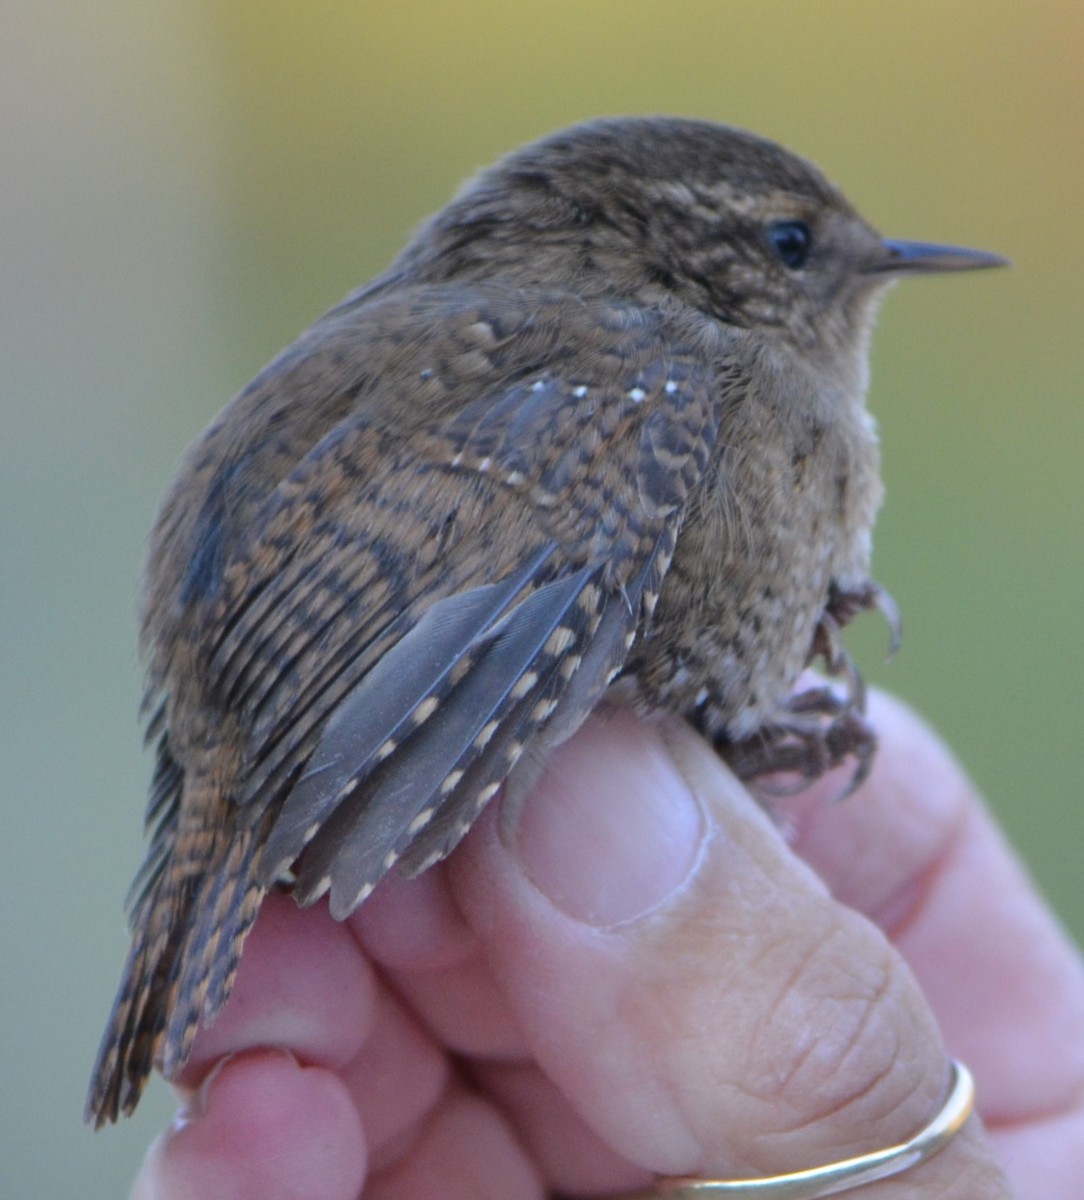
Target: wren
<point x="599" y="431"/>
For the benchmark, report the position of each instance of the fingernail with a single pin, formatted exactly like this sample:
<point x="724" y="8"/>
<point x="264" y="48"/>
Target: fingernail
<point x="611" y="831"/>
<point x="197" y="1104"/>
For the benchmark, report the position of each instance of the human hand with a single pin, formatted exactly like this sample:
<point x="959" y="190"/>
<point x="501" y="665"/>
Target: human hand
<point x="643" y="977"/>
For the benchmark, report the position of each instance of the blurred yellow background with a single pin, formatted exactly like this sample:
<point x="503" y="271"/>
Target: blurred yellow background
<point x="185" y="186"/>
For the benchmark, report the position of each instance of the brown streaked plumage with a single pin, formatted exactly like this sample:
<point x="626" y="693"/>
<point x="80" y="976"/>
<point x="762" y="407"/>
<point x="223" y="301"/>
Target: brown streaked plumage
<point x="601" y="425"/>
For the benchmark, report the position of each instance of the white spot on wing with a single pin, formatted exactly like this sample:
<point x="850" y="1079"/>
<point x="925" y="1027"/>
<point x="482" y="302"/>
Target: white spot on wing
<point x="450" y="780"/>
<point x="524" y="684"/>
<point x="560" y="640"/>
<point x="589" y="598"/>
<point x="484" y="332"/>
<point x="484" y="734"/>
<point x="422" y="819"/>
<point x="570" y="664"/>
<point x="347" y="789"/>
<point x="637" y="395"/>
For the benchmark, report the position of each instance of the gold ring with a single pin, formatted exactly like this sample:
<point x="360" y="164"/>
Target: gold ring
<point x="836" y="1177"/>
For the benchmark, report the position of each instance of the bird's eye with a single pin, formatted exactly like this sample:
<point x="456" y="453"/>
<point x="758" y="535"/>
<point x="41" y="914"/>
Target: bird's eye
<point x="792" y="242"/>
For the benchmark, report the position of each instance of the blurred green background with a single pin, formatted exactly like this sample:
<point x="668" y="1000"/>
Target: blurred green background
<point x="185" y="186"/>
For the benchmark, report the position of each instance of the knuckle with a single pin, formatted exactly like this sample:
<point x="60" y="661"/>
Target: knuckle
<point x="837" y="1042"/>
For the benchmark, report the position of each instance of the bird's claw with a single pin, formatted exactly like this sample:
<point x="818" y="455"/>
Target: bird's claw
<point x="818" y="728"/>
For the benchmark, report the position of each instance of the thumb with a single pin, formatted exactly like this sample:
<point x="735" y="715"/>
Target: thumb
<point x="688" y="983"/>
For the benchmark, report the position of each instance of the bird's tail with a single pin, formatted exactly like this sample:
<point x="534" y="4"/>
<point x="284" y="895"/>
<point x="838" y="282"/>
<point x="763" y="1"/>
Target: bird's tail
<point x="187" y="932"/>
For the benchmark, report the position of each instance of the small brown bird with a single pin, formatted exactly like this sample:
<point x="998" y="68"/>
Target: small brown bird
<point x="601" y="425"/>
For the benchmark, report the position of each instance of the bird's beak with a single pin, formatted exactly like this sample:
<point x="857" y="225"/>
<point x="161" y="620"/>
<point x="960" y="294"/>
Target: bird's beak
<point x="914" y="258"/>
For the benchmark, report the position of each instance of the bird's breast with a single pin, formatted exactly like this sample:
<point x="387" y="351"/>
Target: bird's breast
<point x="784" y="512"/>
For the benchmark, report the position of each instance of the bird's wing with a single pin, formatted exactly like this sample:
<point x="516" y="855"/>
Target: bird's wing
<point x="416" y="606"/>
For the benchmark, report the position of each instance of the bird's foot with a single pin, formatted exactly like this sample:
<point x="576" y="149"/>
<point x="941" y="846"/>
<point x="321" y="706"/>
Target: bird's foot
<point x="821" y="727"/>
<point x="844" y="605"/>
<point x="804" y="747"/>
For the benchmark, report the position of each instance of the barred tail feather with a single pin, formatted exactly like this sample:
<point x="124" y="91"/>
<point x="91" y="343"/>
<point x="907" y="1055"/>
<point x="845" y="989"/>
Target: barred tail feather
<point x="223" y="913"/>
<point x="129" y="1045"/>
<point x="180" y="970"/>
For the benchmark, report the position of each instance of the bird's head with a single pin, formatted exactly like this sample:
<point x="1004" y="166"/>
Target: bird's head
<point x="657" y="208"/>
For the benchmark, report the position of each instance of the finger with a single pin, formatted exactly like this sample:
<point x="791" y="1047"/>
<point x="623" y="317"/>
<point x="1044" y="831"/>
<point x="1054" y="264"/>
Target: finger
<point x="571" y="1156"/>
<point x="465" y="1152"/>
<point x="305" y="986"/>
<point x="413" y="924"/>
<point x="917" y="850"/>
<point x="302" y="984"/>
<point x="396" y="1082"/>
<point x="688" y="983"/>
<point x="413" y="930"/>
<point x="261" y="1128"/>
